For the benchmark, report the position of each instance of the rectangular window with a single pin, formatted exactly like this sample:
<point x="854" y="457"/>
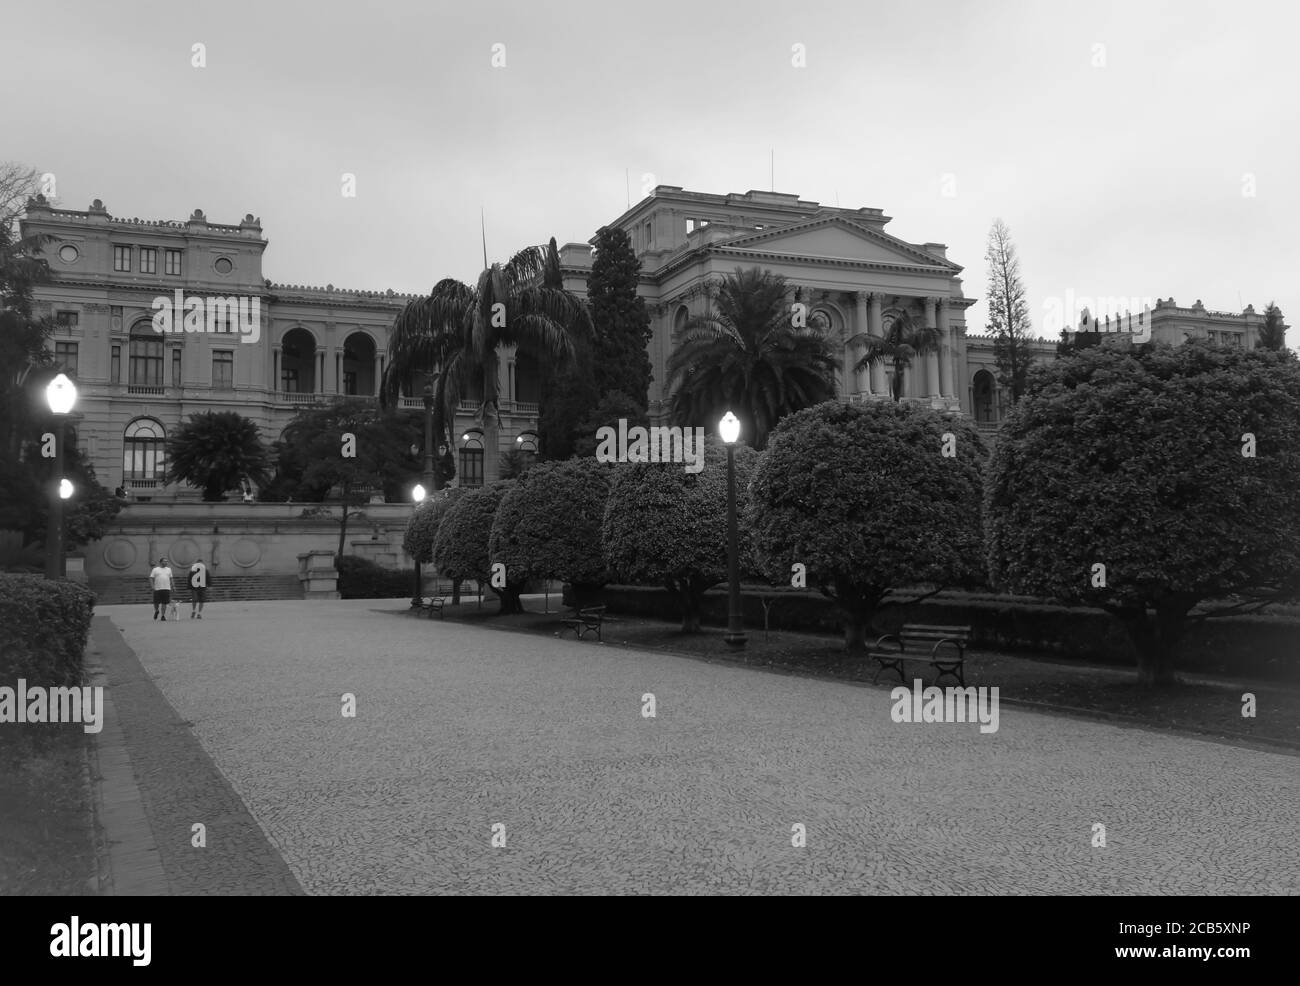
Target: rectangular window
<point x="172" y="260"/>
<point x="176" y="367"/>
<point x="148" y="260"/>
<point x="122" y="258"/>
<point x="115" y="367"/>
<point x="66" y="320"/>
<point x="289" y="380"/>
<point x="66" y="354"/>
<point x="146" y="362"/>
<point x="223" y="369"/>
<point x="471" y="467"/>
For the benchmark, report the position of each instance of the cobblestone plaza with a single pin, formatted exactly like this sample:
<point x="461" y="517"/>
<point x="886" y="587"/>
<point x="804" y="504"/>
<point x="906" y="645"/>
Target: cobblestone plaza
<point x="463" y="733"/>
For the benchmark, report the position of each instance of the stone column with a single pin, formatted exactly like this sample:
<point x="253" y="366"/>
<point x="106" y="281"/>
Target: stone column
<point x="878" y="383"/>
<point x="852" y="354"/>
<point x="946" y="354"/>
<point x="931" y="358"/>
<point x="275" y="370"/>
<point x="379" y="372"/>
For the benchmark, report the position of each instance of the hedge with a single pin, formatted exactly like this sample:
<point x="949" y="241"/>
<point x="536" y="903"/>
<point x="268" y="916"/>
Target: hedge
<point x="1266" y="647"/>
<point x="44" y="626"/>
<point x="360" y="578"/>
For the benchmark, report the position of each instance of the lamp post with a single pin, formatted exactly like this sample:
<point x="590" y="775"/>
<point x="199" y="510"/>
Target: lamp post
<point x="61" y="395"/>
<point x="430" y="478"/>
<point x="417" y="600"/>
<point x="729" y="429"/>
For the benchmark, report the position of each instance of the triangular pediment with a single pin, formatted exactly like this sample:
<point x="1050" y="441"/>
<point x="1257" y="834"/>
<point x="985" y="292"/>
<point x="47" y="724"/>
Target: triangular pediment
<point x="835" y="238"/>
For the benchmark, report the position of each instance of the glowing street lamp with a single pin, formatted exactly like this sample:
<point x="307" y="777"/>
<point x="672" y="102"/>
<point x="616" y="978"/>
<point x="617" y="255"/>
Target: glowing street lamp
<point x="418" y="494"/>
<point x="729" y="430"/>
<point x="61" y="396"/>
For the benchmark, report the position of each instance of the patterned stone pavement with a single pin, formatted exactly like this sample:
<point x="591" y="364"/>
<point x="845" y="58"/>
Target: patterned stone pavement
<point x="461" y="728"/>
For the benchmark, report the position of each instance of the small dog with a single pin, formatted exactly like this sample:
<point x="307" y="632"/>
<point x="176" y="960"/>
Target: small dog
<point x="173" y="611"/>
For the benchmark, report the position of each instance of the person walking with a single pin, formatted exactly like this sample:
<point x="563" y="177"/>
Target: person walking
<point x="161" y="580"/>
<point x="198" y="588"/>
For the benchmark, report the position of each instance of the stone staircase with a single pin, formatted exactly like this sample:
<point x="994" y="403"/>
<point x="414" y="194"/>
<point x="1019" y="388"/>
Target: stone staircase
<point x="119" y="589"/>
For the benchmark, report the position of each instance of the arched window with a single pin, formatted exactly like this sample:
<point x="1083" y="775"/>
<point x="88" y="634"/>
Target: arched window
<point x="146" y="357"/>
<point x="471" y="460"/>
<point x="680" y="318"/>
<point x="526" y="445"/>
<point x="143" y="450"/>
<point x="358" y="370"/>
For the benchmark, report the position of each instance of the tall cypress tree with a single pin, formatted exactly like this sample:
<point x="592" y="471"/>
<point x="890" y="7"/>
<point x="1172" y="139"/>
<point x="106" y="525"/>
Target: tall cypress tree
<point x="620" y="318"/>
<point x="1008" y="312"/>
<point x="568" y="391"/>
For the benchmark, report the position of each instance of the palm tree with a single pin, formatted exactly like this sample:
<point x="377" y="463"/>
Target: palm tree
<point x="214" y="450"/>
<point x="750" y="358"/>
<point x="903" y="341"/>
<point x="453" y="335"/>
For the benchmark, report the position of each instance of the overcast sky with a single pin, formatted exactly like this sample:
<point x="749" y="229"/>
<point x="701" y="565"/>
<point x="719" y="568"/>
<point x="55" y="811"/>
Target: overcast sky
<point x="1130" y="178"/>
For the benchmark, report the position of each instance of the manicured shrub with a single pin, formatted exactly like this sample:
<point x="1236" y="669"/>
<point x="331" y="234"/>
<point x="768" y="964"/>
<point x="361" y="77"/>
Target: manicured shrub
<point x="422" y="528"/>
<point x="549" y="525"/>
<point x="1145" y="480"/>
<point x="666" y="526"/>
<point x="867" y="499"/>
<point x="44" y="625"/>
<point x="461" y="548"/>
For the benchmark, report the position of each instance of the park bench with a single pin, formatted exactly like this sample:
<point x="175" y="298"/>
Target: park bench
<point x="912" y="641"/>
<point x="432" y="605"/>
<point x="583" y="621"/>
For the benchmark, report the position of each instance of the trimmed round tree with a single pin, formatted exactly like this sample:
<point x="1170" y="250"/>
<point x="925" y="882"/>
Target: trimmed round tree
<point x="549" y="525"/>
<point x="666" y="526"/>
<point x="870" y="498"/>
<point x="1148" y="480"/>
<point x="422" y="528"/>
<point x="460" y="549"/>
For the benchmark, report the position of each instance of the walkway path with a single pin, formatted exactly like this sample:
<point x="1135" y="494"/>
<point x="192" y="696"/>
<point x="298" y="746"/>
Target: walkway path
<point x="460" y="728"/>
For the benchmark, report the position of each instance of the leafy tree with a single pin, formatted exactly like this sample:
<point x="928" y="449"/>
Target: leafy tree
<point x="353" y="447"/>
<point x="1272" y="334"/>
<point x="460" y="549"/>
<point x="750" y="358"/>
<point x="903" y="341"/>
<point x="549" y="525"/>
<point x="86" y="515"/>
<point x="1008" y="312"/>
<point x="26" y="363"/>
<point x="665" y="526"/>
<point x="453" y="337"/>
<point x="613" y="407"/>
<point x="1074" y="341"/>
<point x="18" y="184"/>
<point x="619" y="317"/>
<point x="866" y="498"/>
<point x="1173" y="467"/>
<point x="214" y="450"/>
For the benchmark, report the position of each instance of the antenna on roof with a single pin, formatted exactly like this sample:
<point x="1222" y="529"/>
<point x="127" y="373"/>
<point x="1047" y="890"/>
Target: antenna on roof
<point x="482" y="225"/>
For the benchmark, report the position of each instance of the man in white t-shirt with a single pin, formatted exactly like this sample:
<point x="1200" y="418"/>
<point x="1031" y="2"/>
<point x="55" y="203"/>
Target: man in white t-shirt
<point x="161" y="580"/>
